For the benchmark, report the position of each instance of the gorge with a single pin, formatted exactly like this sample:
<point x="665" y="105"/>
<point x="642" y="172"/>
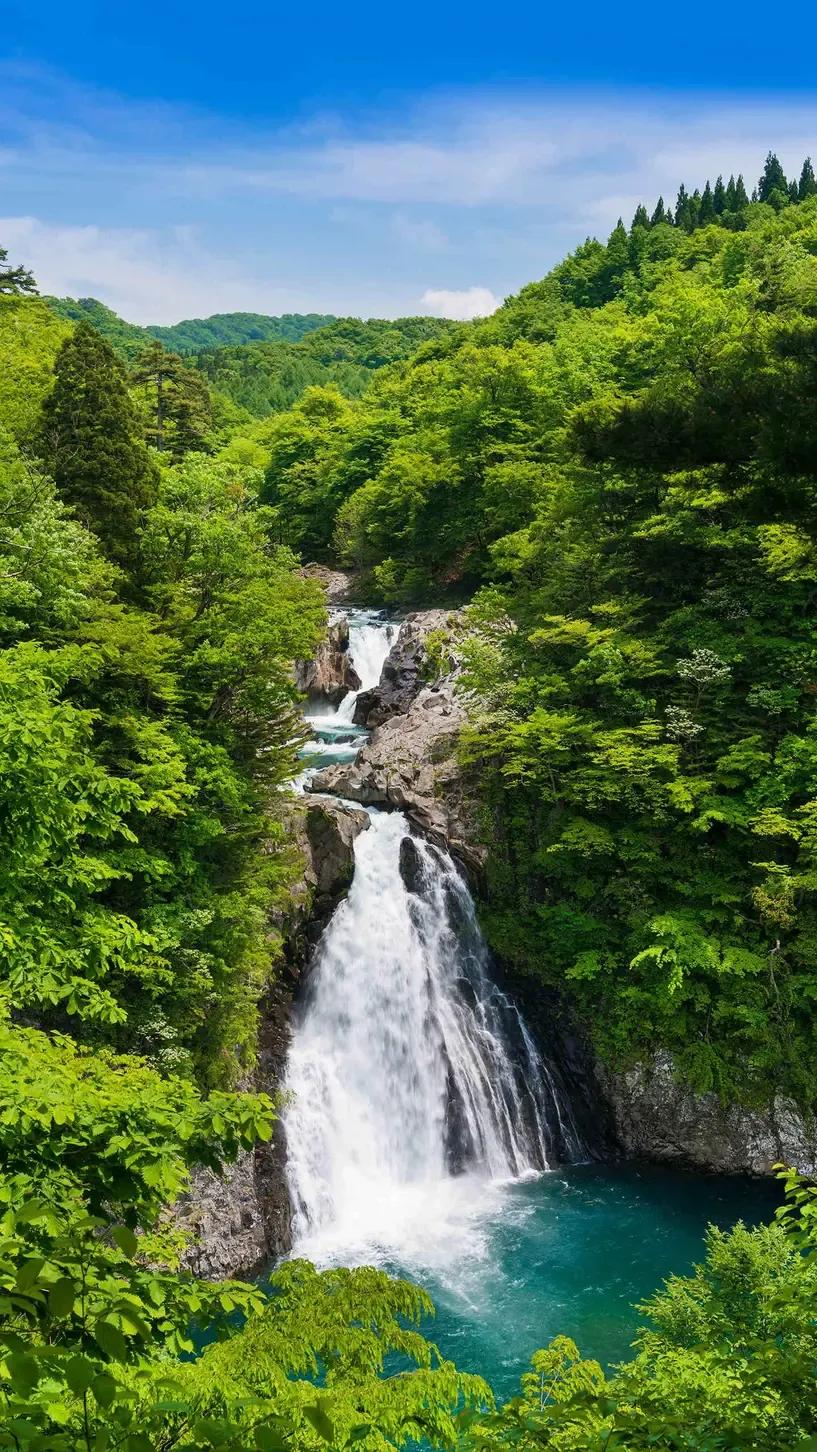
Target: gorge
<point x="425" y="1130"/>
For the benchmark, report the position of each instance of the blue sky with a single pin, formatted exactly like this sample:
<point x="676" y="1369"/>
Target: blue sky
<point x="178" y="159"/>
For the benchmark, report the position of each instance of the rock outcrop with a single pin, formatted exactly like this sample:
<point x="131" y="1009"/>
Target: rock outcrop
<point x="326" y="831"/>
<point x="410" y="760"/>
<point x="336" y="583"/>
<point x="240" y="1221"/>
<point x="331" y="674"/>
<point x="404" y="670"/>
<point x="657" y="1118"/>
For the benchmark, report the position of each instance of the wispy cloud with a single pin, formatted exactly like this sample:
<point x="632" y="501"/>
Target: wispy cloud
<point x="163" y="211"/>
<point x="156" y="276"/>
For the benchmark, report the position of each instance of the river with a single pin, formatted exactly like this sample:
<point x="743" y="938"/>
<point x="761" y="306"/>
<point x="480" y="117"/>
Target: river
<point x="427" y="1133"/>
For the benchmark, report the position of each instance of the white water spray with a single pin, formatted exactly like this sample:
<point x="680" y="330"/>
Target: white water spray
<point x="370" y="640"/>
<point x="414" y="1083"/>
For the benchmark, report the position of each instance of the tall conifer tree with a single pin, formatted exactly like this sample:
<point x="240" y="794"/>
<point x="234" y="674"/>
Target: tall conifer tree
<point x="807" y="186"/>
<point x="741" y="199"/>
<point x="719" y="197"/>
<point x="660" y="214"/>
<point x="772" y="180"/>
<point x="89" y="441"/>
<point x="706" y="213"/>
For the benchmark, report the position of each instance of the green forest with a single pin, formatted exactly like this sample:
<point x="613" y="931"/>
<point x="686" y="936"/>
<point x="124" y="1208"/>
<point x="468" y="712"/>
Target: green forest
<point x="615" y="474"/>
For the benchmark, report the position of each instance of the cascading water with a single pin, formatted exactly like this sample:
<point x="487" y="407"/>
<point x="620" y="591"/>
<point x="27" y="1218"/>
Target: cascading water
<point x="414" y="1083"/>
<point x="419" y="1111"/>
<point x="370" y="639"/>
<point x="336" y="738"/>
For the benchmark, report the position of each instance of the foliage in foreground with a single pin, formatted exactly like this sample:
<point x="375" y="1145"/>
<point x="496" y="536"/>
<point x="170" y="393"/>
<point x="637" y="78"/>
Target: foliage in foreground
<point x="97" y="1325"/>
<point x="726" y="1362"/>
<point x="98" y="1322"/>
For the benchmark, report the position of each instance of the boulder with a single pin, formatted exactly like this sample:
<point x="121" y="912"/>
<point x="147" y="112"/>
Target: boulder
<point x="657" y="1118"/>
<point x="404" y="669"/>
<point x="324" y="831"/>
<point x="410" y="763"/>
<point x="337" y="584"/>
<point x="331" y="674"/>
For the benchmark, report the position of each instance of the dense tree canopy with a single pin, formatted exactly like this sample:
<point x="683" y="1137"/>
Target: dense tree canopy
<point x="626" y="453"/>
<point x="617" y="471"/>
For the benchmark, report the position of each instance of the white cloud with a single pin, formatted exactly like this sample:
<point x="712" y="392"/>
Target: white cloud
<point x="145" y="275"/>
<point x="461" y="304"/>
<point x="165" y="213"/>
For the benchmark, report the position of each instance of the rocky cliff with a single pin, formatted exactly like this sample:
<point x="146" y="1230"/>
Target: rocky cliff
<point x="656" y="1118"/>
<point x="331" y="674"/>
<point x="240" y="1221"/>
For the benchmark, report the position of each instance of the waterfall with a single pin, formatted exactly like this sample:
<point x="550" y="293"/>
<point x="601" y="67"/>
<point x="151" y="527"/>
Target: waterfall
<point x="410" y="1075"/>
<point x="370" y="640"/>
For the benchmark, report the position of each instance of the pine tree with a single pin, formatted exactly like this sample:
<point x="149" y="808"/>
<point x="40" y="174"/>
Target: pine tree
<point x="794" y="194"/>
<point x="681" y="205"/>
<point x="89" y="441"/>
<point x="741" y="199"/>
<point x="178" y="404"/>
<point x="706" y="212"/>
<point x="731" y="194"/>
<point x="641" y="218"/>
<point x="690" y="215"/>
<point x="772" y="180"/>
<point x="660" y="215"/>
<point x="719" y="197"/>
<point x="807" y="186"/>
<point x="14" y="280"/>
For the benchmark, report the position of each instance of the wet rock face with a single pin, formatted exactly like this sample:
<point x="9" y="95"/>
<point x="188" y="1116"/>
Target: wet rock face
<point x="402" y="677"/>
<point x="410" y="763"/>
<point x="331" y="674"/>
<point x="223" y="1216"/>
<point x="331" y="829"/>
<point x="241" y="1220"/>
<point x="657" y="1118"/>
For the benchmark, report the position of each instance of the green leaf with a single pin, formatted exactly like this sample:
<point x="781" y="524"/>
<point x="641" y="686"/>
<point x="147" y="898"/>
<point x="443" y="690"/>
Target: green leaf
<point x="213" y="1431"/>
<point x="125" y="1239"/>
<point x="110" y="1338"/>
<point x="269" y="1439"/>
<point x="103" y="1387"/>
<point x="29" y="1272"/>
<point x="320" y="1421"/>
<point x="61" y="1297"/>
<point x="80" y="1373"/>
<point x="24" y="1371"/>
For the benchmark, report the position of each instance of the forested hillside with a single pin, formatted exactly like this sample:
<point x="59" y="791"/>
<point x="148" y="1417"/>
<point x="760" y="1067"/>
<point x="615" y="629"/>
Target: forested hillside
<point x="267" y="378"/>
<point x="616" y="473"/>
<point x="192" y="335"/>
<point x="622" y="463"/>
